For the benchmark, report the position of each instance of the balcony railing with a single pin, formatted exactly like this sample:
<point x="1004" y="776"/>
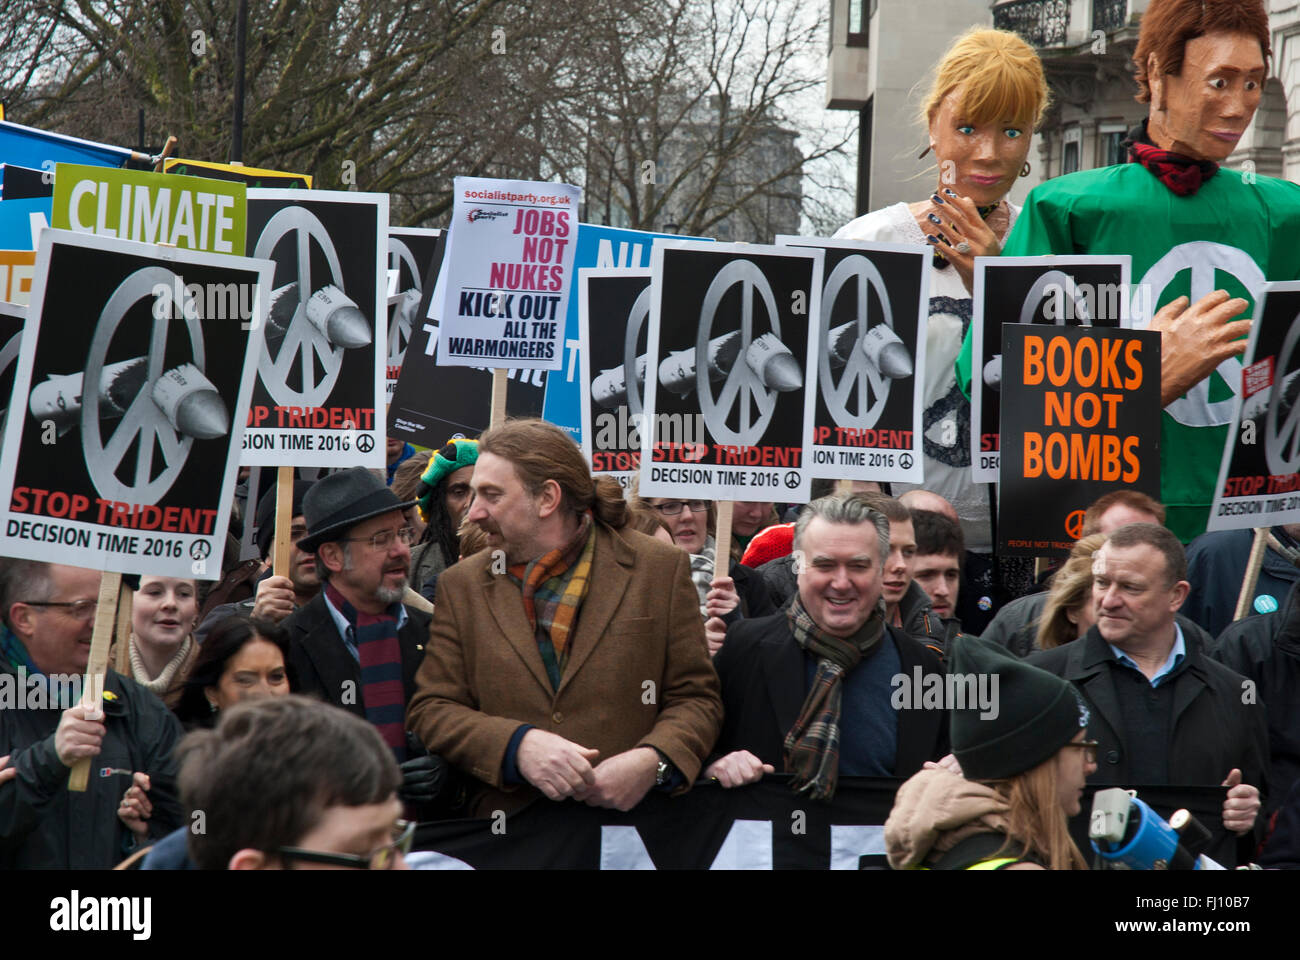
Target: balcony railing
<point x="1109" y="15"/>
<point x="1042" y="23"/>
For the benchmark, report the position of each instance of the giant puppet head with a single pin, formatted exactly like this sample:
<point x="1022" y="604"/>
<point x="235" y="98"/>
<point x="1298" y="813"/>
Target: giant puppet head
<point x="1201" y="66"/>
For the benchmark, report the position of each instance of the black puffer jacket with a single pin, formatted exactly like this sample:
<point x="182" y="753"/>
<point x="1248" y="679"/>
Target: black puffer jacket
<point x="1266" y="650"/>
<point x="42" y="823"/>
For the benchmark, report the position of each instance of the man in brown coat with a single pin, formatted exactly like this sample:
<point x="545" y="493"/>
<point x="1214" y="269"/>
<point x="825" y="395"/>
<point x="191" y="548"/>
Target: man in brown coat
<point x="568" y="658"/>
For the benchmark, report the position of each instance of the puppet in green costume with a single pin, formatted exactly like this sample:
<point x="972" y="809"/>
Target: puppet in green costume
<point x="1193" y="229"/>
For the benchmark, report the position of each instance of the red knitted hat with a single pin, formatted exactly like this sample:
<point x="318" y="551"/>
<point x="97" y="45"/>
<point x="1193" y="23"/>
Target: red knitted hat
<point x="768" y="544"/>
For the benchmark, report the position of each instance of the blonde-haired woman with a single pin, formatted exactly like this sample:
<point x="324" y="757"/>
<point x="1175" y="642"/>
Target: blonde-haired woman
<point x="1069" y="613"/>
<point x="163" y="617"/>
<point x="987" y="96"/>
<point x="1023" y="772"/>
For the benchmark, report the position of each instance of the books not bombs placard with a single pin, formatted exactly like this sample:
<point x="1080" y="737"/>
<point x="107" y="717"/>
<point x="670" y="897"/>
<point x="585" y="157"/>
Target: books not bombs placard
<point x="1259" y="476"/>
<point x="132" y="386"/>
<point x="730" y="369"/>
<point x="1080" y="291"/>
<point x="874" y="302"/>
<point x="319" y="397"/>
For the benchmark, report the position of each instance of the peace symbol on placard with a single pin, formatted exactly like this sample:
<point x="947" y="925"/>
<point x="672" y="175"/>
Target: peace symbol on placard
<point x="1282" y="440"/>
<point x="304" y="343"/>
<point x="1074" y="524"/>
<point x="143" y="426"/>
<point x="1202" y="258"/>
<point x="399" y="329"/>
<point x="872" y="386"/>
<point x="742" y="390"/>
<point x="632" y="346"/>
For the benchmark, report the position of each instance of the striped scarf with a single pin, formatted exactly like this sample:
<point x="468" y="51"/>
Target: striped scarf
<point x="812" y="747"/>
<point x="375" y="635"/>
<point x="553" y="587"/>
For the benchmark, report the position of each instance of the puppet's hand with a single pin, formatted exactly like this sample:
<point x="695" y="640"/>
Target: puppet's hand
<point x="1196" y="339"/>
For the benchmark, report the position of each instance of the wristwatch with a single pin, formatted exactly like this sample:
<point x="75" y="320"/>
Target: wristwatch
<point x="663" y="772"/>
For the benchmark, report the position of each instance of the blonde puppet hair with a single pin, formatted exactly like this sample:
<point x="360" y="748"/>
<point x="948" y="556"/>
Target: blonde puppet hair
<point x="1002" y="76"/>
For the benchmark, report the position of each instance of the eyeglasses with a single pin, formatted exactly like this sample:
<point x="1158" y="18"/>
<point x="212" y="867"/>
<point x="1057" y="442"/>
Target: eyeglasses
<point x="384" y="538"/>
<point x="77" y="609"/>
<point x="382" y="859"/>
<point x="1089" y="748"/>
<point x="673" y="507"/>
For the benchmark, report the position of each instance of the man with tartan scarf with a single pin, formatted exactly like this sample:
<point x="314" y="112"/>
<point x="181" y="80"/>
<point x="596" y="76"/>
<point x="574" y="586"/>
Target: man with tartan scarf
<point x="568" y="658"/>
<point x="810" y="691"/>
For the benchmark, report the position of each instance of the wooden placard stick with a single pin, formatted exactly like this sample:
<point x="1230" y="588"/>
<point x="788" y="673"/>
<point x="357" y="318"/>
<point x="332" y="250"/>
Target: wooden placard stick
<point x="499" y="383"/>
<point x="722" y="539"/>
<point x="283" y="520"/>
<point x="168" y="147"/>
<point x="92" y="689"/>
<point x="122" y="662"/>
<point x="1252" y="572"/>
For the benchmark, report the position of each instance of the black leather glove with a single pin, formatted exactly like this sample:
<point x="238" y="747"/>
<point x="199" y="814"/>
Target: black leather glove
<point x="423" y="779"/>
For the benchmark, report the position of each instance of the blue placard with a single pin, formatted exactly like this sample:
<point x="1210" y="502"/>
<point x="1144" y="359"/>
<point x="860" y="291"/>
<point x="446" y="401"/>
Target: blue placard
<point x="597" y="247"/>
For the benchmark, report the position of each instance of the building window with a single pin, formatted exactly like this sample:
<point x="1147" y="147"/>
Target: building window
<point x="1070" y="158"/>
<point x="860" y="14"/>
<point x="1111" y="137"/>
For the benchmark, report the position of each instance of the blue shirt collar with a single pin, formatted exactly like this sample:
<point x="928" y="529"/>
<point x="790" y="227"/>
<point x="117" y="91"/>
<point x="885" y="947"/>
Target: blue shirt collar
<point x="1177" y="654"/>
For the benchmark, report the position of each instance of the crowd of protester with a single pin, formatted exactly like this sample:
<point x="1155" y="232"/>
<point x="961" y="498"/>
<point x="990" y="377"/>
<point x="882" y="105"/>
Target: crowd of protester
<point x="487" y="625"/>
<point x="479" y="704"/>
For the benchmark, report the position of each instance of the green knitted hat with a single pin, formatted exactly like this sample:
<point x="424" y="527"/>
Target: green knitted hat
<point x="455" y="453"/>
<point x="1036" y="713"/>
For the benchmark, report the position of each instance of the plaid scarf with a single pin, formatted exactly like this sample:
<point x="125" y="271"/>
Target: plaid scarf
<point x="812" y="747"/>
<point x="553" y="587"/>
<point x="375" y="635"/>
<point x="1182" y="175"/>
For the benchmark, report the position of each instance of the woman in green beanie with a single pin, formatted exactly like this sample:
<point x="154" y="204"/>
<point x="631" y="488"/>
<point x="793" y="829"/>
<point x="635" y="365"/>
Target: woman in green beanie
<point x="1024" y="763"/>
<point x="444" y="496"/>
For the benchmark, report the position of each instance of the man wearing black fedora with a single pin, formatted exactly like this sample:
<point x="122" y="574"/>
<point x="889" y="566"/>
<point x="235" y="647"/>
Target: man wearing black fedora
<point x="356" y="645"/>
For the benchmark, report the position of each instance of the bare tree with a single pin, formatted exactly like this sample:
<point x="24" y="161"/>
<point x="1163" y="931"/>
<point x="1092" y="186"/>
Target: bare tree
<point x="668" y="111"/>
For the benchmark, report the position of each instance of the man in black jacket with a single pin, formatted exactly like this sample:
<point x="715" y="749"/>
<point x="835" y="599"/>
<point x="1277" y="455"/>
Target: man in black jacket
<point x="1162" y="711"/>
<point x="810" y="690"/>
<point x="356" y="645"/>
<point x="1266" y="650"/>
<point x="49" y="613"/>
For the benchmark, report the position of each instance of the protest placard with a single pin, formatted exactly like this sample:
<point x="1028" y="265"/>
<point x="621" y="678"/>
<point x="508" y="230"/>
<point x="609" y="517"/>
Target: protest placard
<point x="238" y="173"/>
<point x="1080" y="418"/>
<point x="613" y="306"/>
<point x="434" y="403"/>
<point x="187" y="212"/>
<point x="871" y="353"/>
<point x="12" y="319"/>
<point x="320" y="392"/>
<point x="602" y="248"/>
<point x="16" y="270"/>
<point x="732" y="358"/>
<point x="414" y="253"/>
<point x="1062" y="291"/>
<point x="134" y="473"/>
<point x="1259" y="476"/>
<point x="508" y="272"/>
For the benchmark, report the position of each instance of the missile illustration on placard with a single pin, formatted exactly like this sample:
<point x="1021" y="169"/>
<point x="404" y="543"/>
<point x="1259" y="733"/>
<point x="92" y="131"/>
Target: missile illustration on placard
<point x="676" y="372"/>
<point x="993" y="373"/>
<point x="882" y="347"/>
<point x="188" y="400"/>
<point x="609" y="390"/>
<point x="329" y="310"/>
<point x="774" y="364"/>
